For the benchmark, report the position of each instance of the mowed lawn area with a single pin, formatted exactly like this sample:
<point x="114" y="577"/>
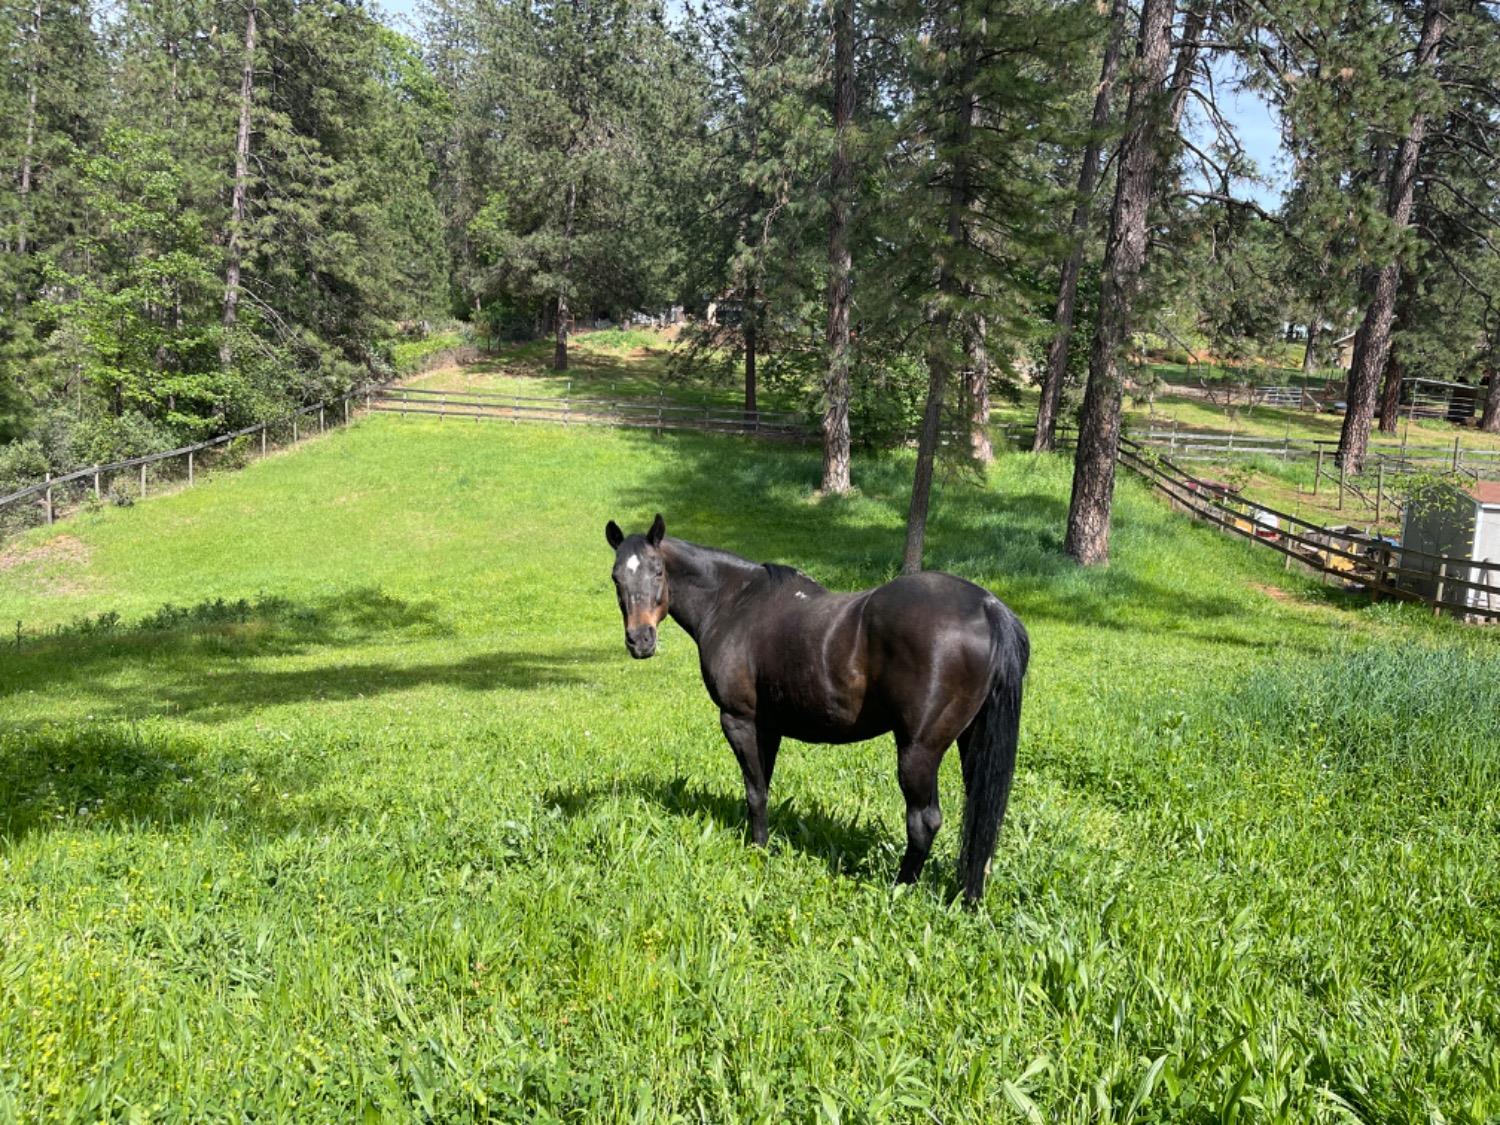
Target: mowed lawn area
<point x="338" y="798"/>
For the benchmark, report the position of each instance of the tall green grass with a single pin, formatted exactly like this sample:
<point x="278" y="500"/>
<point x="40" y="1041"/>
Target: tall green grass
<point x="379" y="821"/>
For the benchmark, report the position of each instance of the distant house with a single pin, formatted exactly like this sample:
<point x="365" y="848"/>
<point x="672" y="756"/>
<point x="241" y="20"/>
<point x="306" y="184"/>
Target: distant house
<point x="1461" y="523"/>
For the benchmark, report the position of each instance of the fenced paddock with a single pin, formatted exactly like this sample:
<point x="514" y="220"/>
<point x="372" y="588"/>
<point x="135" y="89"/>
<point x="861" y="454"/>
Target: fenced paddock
<point x="1381" y="568"/>
<point x="419" y="840"/>
<point x="135" y="478"/>
<point x="1210" y="445"/>
<point x="630" y="414"/>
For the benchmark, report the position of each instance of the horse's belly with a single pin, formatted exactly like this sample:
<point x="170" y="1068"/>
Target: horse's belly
<point x="813" y="729"/>
<point x="832" y="715"/>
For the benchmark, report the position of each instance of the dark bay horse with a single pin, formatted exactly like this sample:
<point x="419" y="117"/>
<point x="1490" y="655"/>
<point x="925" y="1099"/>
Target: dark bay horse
<point x="929" y="657"/>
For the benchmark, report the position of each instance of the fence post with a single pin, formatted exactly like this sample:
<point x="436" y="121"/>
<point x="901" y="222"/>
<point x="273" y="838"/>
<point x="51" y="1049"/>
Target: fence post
<point x="1318" y="472"/>
<point x="143" y="480"/>
<point x="658" y="420"/>
<point x="190" y="466"/>
<point x="321" y="426"/>
<point x="1379" y="488"/>
<point x="294" y="428"/>
<point x="96" y="482"/>
<point x="263" y="427"/>
<point x="50" y="514"/>
<point x="1437" y="600"/>
<point x="442" y="406"/>
<point x="346" y="410"/>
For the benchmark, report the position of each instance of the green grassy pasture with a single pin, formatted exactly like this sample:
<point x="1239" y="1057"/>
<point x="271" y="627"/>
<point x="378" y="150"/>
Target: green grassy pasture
<point x="328" y="792"/>
<point x="613" y="363"/>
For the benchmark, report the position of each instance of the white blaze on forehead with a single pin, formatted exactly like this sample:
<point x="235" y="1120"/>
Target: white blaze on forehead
<point x="633" y="563"/>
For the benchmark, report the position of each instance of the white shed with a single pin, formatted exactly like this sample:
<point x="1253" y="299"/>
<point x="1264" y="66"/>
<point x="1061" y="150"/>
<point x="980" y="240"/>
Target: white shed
<point x="1464" y="524"/>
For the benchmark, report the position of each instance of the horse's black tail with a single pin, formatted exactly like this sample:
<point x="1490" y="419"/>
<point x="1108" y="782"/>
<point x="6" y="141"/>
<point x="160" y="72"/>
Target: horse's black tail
<point x="990" y="760"/>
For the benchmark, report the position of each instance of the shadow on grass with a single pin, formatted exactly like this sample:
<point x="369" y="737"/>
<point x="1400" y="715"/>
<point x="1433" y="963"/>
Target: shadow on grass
<point x="846" y="847"/>
<point x="223" y="693"/>
<point x="1009" y="537"/>
<point x="109" y="777"/>
<point x="198" y="658"/>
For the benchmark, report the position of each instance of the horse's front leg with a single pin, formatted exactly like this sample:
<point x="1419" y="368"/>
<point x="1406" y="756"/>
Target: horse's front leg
<point x="755" y="750"/>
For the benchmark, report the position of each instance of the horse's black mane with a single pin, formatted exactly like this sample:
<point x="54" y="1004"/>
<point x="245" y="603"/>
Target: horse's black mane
<point x="781" y="575"/>
<point x="777" y="574"/>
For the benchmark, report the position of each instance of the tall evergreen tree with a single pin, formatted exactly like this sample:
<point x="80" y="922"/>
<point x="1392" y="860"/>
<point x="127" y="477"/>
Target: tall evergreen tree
<point x="1055" y="369"/>
<point x="1372" y="343"/>
<point x="1087" y="537"/>
<point x="965" y="214"/>
<point x="841" y="176"/>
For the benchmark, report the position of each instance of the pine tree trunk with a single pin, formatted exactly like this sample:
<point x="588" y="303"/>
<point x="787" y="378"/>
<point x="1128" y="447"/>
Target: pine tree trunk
<point x="560" y="350"/>
<point x="1372" y="344"/>
<point x="1056" y="369"/>
<point x="836" y="387"/>
<point x="1395" y="370"/>
<point x="750" y="343"/>
<point x="1489" y="421"/>
<point x="30" y="145"/>
<point x="1181" y="83"/>
<point x="1489" y="417"/>
<point x="1087" y="537"/>
<point x="1390" y="394"/>
<point x="1309" y="354"/>
<point x="237" y="198"/>
<point x="977" y="388"/>
<point x="940" y="321"/>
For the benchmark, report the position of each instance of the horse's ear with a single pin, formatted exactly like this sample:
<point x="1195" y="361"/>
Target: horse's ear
<point x="658" y="531"/>
<point x="613" y="535"/>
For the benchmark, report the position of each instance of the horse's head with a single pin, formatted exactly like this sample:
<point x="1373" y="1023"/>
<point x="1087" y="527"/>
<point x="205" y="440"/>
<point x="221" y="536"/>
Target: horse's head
<point x="640" y="576"/>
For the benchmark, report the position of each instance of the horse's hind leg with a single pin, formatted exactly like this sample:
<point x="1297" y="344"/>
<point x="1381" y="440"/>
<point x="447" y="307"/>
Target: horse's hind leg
<point x="917" y="770"/>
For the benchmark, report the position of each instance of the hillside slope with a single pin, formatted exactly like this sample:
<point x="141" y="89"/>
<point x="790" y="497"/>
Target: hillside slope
<point x="357" y="804"/>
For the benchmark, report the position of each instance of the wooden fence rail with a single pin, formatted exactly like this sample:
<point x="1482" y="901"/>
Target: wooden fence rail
<point x="79" y="483"/>
<point x="624" y="413"/>
<point x="1210" y="445"/>
<point x="1378" y="568"/>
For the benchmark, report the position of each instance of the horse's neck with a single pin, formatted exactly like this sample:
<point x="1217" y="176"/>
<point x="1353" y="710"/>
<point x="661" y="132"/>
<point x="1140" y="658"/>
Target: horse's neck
<point x="697" y="577"/>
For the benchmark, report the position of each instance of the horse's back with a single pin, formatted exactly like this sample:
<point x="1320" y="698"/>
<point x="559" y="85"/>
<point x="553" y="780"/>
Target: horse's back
<point x="935" y="636"/>
<point x="931" y="602"/>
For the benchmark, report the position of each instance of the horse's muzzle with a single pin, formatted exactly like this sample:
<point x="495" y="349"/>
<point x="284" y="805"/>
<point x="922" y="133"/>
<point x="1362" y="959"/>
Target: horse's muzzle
<point x="641" y="642"/>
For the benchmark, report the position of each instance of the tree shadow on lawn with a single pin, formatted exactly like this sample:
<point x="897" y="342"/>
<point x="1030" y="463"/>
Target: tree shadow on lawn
<point x="114" y="777"/>
<point x="198" y="663"/>
<point x="759" y="506"/>
<point x="847" y="847"/>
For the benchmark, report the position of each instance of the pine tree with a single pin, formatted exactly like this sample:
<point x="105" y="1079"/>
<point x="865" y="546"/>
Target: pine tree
<point x="1087" y="537"/>
<point x="841" y="174"/>
<point x="1373" y="341"/>
<point x="967" y="213"/>
<point x="1055" y="370"/>
<point x="561" y="122"/>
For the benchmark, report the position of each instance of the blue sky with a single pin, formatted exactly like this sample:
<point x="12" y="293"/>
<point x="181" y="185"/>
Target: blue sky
<point x="1252" y="118"/>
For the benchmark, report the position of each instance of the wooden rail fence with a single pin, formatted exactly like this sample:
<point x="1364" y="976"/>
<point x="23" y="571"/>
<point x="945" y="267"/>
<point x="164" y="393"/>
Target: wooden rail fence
<point x="47" y="500"/>
<point x="631" y="414"/>
<point x="1209" y="445"/>
<point x="1379" y="567"/>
